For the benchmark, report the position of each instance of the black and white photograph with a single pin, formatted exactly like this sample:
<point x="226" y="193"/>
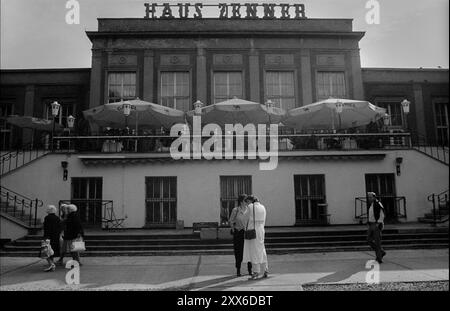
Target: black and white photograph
<point x="251" y="148"/>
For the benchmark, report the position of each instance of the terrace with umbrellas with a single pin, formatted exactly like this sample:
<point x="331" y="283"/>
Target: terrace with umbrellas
<point x="137" y="126"/>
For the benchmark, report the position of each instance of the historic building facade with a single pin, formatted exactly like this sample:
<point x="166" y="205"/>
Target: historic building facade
<point x="292" y="62"/>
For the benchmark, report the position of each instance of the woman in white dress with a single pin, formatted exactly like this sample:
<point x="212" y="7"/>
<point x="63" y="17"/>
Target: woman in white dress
<point x="254" y="250"/>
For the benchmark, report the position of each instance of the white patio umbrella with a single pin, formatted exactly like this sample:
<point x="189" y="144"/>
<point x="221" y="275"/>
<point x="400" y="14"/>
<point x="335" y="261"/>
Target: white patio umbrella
<point x="239" y="111"/>
<point x="33" y="123"/>
<point x="334" y="113"/>
<point x="142" y="114"/>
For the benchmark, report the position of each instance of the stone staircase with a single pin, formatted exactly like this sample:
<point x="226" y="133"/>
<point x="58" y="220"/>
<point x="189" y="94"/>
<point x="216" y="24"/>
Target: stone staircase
<point x="278" y="241"/>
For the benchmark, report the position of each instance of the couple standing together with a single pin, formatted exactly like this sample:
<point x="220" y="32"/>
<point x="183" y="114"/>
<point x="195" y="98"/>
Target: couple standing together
<point x="247" y="223"/>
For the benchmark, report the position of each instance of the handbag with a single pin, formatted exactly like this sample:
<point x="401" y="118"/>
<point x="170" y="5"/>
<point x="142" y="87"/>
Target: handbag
<point x="251" y="234"/>
<point x="78" y="245"/>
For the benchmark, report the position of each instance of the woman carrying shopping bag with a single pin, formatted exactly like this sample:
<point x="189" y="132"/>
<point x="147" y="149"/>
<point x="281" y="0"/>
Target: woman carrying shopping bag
<point x="73" y="232"/>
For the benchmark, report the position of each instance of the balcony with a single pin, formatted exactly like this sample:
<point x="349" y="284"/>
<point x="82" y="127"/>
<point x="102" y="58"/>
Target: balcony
<point x="160" y="144"/>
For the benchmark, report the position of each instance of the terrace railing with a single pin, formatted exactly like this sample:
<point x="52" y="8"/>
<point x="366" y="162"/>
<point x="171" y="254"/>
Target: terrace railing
<point x="14" y="159"/>
<point x="286" y="142"/>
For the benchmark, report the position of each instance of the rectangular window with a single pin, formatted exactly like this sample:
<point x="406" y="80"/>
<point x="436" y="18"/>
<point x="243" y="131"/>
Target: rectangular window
<point x="121" y="86"/>
<point x="230" y="188"/>
<point x="66" y="109"/>
<point x="227" y="85"/>
<point x="394" y="110"/>
<point x="6" y="109"/>
<point x="330" y="84"/>
<point x="442" y="123"/>
<point x="87" y="196"/>
<point x="161" y="200"/>
<point x="280" y="88"/>
<point x="175" y="90"/>
<point x="384" y="186"/>
<point x="310" y="198"/>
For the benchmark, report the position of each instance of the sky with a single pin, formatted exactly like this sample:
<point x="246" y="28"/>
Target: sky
<point x="411" y="33"/>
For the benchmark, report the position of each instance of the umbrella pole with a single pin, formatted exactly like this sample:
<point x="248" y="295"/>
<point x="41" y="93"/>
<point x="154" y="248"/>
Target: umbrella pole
<point x="136" y="131"/>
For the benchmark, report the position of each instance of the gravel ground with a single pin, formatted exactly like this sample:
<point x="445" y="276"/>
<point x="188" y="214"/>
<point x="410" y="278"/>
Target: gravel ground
<point x="401" y="286"/>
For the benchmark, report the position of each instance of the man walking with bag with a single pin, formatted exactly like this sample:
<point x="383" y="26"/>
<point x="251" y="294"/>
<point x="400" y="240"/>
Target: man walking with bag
<point x="375" y="221"/>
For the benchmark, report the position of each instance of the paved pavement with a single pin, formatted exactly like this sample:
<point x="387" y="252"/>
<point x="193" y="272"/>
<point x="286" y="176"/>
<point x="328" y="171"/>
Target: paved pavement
<point x="287" y="272"/>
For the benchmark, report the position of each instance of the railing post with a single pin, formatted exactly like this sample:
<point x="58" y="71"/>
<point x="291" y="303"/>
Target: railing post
<point x="35" y="212"/>
<point x="23" y="205"/>
<point x="30" y="219"/>
<point x="14" y="207"/>
<point x="434" y="210"/>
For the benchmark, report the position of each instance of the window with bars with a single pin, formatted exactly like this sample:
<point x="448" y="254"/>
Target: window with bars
<point x="227" y="85"/>
<point x="67" y="108"/>
<point x="394" y="110"/>
<point x="175" y="89"/>
<point x="230" y="188"/>
<point x="6" y="109"/>
<point x="310" y="198"/>
<point x="442" y="123"/>
<point x="330" y="84"/>
<point x="161" y="200"/>
<point x="280" y="88"/>
<point x="121" y="86"/>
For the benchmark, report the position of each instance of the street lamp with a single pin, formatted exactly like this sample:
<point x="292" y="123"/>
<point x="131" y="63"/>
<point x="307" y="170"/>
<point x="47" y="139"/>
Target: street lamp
<point x="198" y="108"/>
<point x="70" y="124"/>
<point x="339" y="109"/>
<point x="55" y="112"/>
<point x="405" y="106"/>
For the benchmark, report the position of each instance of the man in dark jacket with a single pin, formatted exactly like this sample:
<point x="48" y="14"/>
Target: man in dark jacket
<point x="375" y="221"/>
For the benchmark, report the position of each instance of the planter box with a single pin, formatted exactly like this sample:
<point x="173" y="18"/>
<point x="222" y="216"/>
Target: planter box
<point x="224" y="234"/>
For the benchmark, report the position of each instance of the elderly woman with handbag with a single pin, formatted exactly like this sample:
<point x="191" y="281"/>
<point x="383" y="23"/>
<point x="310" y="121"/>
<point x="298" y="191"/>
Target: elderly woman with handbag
<point x="52" y="230"/>
<point x="73" y="232"/>
<point x="254" y="248"/>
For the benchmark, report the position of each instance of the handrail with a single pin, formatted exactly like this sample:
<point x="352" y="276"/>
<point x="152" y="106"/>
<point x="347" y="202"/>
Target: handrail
<point x="400" y="206"/>
<point x="435" y="149"/>
<point x="441" y="197"/>
<point x="108" y="215"/>
<point x="8" y="164"/>
<point x="18" y="203"/>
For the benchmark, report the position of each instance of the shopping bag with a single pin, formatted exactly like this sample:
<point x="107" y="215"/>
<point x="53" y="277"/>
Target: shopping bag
<point x="46" y="249"/>
<point x="78" y="245"/>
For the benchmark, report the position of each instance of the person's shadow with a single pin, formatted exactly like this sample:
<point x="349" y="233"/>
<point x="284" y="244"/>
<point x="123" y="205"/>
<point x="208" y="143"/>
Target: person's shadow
<point x="339" y="275"/>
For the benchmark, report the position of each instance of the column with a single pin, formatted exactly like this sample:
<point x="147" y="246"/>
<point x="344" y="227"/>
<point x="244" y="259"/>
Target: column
<point x="96" y="79"/>
<point x="358" y="89"/>
<point x="201" y="83"/>
<point x="254" y="76"/>
<point x="28" y="110"/>
<point x="305" y="63"/>
<point x="148" y="86"/>
<point x="419" y="109"/>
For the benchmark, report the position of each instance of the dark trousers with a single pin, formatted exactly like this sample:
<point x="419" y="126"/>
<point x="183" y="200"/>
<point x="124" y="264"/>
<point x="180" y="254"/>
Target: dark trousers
<point x="374" y="239"/>
<point x="238" y="244"/>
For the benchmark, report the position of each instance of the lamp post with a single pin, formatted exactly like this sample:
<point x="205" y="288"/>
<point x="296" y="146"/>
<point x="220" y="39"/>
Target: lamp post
<point x="339" y="109"/>
<point x="55" y="111"/>
<point x="405" y="106"/>
<point x="70" y="124"/>
<point x="198" y="108"/>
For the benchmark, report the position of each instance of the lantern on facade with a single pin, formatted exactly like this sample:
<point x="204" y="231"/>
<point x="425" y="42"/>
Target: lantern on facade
<point x="55" y="109"/>
<point x="198" y="107"/>
<point x="70" y="121"/>
<point x="405" y="106"/>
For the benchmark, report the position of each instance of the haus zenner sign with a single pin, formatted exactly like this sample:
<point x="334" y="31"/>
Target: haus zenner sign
<point x="225" y="11"/>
